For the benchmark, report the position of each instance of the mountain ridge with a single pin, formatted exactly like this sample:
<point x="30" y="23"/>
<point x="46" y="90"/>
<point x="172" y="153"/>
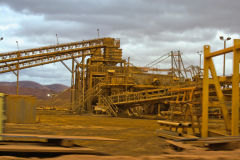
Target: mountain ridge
<point x="32" y="88"/>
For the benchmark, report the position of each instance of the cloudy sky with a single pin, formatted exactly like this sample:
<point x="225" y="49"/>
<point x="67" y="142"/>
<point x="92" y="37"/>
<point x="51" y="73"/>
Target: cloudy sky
<point x="147" y="29"/>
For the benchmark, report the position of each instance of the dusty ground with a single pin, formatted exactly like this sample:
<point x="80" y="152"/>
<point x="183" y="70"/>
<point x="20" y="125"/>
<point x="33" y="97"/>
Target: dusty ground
<point x="137" y="138"/>
<point x="137" y="135"/>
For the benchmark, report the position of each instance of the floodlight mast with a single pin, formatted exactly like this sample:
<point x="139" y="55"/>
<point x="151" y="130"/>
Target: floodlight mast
<point x="224" y="40"/>
<point x="200" y="62"/>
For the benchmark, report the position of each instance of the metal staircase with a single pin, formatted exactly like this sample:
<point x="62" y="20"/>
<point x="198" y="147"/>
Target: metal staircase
<point x="111" y="109"/>
<point x="90" y="93"/>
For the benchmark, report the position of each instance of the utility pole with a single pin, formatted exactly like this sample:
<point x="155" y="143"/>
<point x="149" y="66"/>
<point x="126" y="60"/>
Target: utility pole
<point x="178" y="64"/>
<point x="18" y="55"/>
<point x="200" y="61"/>
<point x="57" y="39"/>
<point x="98" y="32"/>
<point x="172" y="67"/>
<point x="224" y="40"/>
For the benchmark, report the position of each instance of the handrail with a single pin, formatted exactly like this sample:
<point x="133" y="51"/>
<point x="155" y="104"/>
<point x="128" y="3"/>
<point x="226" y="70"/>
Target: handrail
<point x="148" y="95"/>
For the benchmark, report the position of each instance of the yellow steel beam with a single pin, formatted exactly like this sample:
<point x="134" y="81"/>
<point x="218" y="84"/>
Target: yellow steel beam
<point x="50" y="53"/>
<point x="219" y="52"/>
<point x="10" y="68"/>
<point x="2" y="116"/>
<point x="37" y="62"/>
<point x="235" y="89"/>
<point x="148" y="95"/>
<point x="63" y="46"/>
<point x="66" y="66"/>
<point x="182" y="89"/>
<point x="205" y="93"/>
<point x="208" y="64"/>
<point x="219" y="94"/>
<point x="153" y="69"/>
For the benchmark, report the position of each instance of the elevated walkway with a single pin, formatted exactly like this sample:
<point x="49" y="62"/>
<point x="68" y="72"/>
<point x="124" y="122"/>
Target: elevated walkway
<point x="164" y="95"/>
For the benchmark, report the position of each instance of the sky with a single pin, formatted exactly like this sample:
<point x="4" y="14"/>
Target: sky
<point x="147" y="29"/>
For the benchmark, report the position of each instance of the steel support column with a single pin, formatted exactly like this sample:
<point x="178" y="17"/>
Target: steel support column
<point x="72" y="86"/>
<point x="220" y="96"/>
<point x="204" y="132"/>
<point x="235" y="89"/>
<point x="83" y="80"/>
<point x="17" y="66"/>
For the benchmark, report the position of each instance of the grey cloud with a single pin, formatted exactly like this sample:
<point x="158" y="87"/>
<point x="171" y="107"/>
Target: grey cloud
<point x="135" y="18"/>
<point x="147" y="28"/>
<point x="213" y="12"/>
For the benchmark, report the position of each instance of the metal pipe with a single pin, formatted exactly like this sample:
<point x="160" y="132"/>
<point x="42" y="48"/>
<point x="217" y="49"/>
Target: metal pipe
<point x="176" y="124"/>
<point x="186" y="124"/>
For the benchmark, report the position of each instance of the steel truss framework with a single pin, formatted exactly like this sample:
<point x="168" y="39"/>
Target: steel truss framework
<point x="16" y="60"/>
<point x="21" y="59"/>
<point x="231" y="125"/>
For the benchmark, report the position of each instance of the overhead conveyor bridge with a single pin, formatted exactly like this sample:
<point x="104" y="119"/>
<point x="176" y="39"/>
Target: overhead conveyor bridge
<point x="17" y="60"/>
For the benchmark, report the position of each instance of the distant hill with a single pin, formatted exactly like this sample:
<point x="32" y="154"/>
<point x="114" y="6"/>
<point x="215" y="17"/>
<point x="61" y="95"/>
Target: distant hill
<point x="57" y="87"/>
<point x="61" y="99"/>
<point x="32" y="88"/>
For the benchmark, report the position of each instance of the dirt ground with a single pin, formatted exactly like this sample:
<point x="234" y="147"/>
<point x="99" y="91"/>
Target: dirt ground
<point x="137" y="138"/>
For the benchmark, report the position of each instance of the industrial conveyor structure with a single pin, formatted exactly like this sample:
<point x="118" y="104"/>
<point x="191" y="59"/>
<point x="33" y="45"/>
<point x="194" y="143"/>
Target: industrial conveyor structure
<point x="104" y="82"/>
<point x="101" y="71"/>
<point x="12" y="61"/>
